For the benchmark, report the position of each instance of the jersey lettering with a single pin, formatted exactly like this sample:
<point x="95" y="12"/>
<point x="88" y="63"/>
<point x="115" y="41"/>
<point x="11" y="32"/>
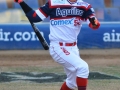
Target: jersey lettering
<point x="66" y="12"/>
<point x="61" y="22"/>
<point x="77" y="22"/>
<point x="73" y="21"/>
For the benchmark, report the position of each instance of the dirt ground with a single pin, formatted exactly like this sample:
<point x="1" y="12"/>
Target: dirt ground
<point x="97" y="57"/>
<point x="106" y="60"/>
<point x="99" y="60"/>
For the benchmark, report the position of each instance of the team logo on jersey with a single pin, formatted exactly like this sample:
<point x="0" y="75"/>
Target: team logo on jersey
<point x="60" y="22"/>
<point x="66" y="12"/>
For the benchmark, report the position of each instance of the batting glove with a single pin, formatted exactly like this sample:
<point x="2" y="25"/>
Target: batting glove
<point x="94" y="23"/>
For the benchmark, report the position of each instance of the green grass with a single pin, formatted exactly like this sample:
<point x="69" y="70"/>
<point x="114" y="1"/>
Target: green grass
<point x="110" y="70"/>
<point x="42" y="69"/>
<point x="109" y="84"/>
<point x="92" y="85"/>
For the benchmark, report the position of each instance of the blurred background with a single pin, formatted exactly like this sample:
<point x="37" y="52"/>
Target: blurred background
<point x="106" y="10"/>
<point x="10" y="12"/>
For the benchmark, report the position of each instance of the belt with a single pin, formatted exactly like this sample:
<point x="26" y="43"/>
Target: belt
<point x="67" y="44"/>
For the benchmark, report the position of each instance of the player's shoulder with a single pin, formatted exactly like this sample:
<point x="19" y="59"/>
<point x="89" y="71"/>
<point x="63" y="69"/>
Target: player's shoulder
<point x="83" y="4"/>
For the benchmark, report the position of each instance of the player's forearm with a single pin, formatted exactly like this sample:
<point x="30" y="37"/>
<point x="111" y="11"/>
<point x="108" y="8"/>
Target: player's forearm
<point x="25" y="7"/>
<point x="30" y="13"/>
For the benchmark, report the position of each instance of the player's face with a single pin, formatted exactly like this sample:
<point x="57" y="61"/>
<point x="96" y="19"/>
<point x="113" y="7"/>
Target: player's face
<point x="72" y="0"/>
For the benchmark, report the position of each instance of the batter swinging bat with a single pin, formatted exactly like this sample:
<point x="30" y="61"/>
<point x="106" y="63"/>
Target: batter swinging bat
<point x="39" y="35"/>
<point x="37" y="31"/>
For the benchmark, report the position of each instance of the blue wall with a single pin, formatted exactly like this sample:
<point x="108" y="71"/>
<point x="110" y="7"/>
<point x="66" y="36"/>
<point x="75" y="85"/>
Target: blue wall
<point x="21" y="36"/>
<point x="107" y="36"/>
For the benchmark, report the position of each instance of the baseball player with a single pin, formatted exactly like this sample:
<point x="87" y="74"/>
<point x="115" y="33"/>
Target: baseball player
<point x="66" y="17"/>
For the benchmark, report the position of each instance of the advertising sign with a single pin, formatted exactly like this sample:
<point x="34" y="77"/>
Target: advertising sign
<point x="22" y="36"/>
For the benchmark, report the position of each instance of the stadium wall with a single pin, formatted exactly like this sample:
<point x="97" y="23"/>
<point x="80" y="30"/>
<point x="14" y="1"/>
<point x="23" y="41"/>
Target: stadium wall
<point x="21" y="36"/>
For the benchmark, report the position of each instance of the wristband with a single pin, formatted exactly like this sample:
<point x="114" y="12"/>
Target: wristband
<point x="19" y="1"/>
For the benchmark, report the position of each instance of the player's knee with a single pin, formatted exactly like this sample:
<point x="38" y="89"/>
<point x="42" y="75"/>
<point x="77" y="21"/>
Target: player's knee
<point x="83" y="71"/>
<point x="72" y="70"/>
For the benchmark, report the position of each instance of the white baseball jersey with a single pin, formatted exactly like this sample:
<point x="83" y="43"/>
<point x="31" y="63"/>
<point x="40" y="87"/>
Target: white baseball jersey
<point x="65" y="18"/>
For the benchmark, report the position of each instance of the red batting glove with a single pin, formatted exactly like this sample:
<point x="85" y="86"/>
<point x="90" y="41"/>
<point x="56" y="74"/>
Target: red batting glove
<point x="18" y="1"/>
<point x="96" y="26"/>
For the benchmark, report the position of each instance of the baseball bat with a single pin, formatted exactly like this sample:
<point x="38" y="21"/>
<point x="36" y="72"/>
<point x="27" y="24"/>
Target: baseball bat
<point x="39" y="35"/>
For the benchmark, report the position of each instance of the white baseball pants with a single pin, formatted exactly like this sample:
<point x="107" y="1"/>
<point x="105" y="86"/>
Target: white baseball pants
<point x="69" y="58"/>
